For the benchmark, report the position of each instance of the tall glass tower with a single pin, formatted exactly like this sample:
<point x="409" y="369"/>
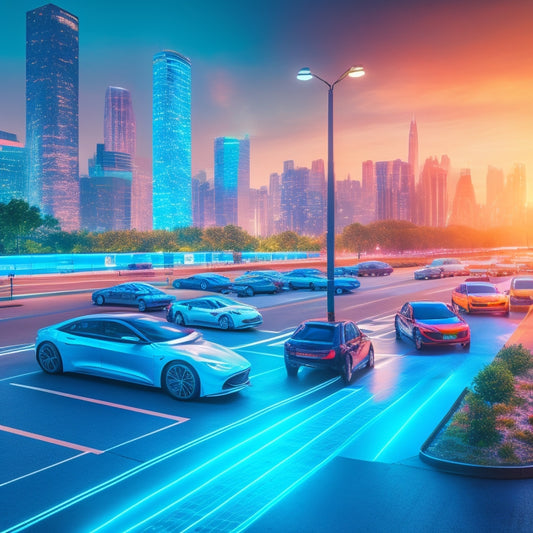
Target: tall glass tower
<point x="119" y="121"/>
<point x="171" y="137"/>
<point x="232" y="182"/>
<point x="52" y="113"/>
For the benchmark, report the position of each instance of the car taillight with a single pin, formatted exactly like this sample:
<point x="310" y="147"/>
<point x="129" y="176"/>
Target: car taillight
<point x="331" y="355"/>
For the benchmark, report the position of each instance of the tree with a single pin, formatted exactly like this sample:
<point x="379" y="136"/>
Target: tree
<point x="357" y="238"/>
<point x="18" y="220"/>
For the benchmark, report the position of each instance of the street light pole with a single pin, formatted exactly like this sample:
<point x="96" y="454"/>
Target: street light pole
<point x="305" y="74"/>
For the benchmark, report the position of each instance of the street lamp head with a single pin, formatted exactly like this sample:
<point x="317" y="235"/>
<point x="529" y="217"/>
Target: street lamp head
<point x="356" y="72"/>
<point x="304" y="74"/>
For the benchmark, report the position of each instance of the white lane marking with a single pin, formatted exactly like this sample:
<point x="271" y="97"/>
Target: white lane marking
<point x="263" y="341"/>
<point x="179" y="419"/>
<point x="10" y="350"/>
<point x="22" y="375"/>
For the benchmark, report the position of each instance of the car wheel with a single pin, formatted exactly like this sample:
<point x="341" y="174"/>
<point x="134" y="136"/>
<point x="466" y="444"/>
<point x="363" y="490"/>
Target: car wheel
<point x="370" y="363"/>
<point x="312" y="286"/>
<point x="418" y="339"/>
<point x="180" y="321"/>
<point x="142" y="306"/>
<point x="224" y="322"/>
<point x="338" y="290"/>
<point x="397" y="328"/>
<point x="291" y="286"/>
<point x="203" y="285"/>
<point x="466" y="346"/>
<point x="292" y="368"/>
<point x="100" y="300"/>
<point x="347" y="373"/>
<point x="249" y="291"/>
<point x="49" y="359"/>
<point x="176" y="284"/>
<point x="181" y="381"/>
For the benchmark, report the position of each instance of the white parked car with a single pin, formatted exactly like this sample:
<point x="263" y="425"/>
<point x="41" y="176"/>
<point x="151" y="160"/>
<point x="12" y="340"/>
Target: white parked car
<point x="142" y="349"/>
<point x="214" y="311"/>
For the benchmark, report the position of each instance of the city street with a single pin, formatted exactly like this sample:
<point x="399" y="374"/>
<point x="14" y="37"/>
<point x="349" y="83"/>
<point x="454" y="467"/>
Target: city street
<point x="88" y="454"/>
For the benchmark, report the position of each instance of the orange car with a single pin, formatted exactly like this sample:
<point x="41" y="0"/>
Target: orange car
<point x="476" y="296"/>
<point x="521" y="293"/>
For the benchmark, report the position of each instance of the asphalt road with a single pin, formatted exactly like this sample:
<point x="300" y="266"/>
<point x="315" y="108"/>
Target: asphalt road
<point x="86" y="454"/>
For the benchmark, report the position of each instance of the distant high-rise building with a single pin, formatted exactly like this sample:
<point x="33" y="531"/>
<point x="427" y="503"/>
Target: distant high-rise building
<point x="495" y="195"/>
<point x="274" y="204"/>
<point x="203" y="201"/>
<point x="171" y="128"/>
<point x="347" y="203"/>
<point x="316" y="199"/>
<point x="464" y="208"/>
<point x="412" y="159"/>
<point x="516" y="194"/>
<point x="52" y="80"/>
<point x="433" y="197"/>
<point x="105" y="195"/>
<point x="259" y="203"/>
<point x="119" y="122"/>
<point x="12" y="168"/>
<point x="232" y="182"/>
<point x="293" y="206"/>
<point x="392" y="190"/>
<point x="368" y="193"/>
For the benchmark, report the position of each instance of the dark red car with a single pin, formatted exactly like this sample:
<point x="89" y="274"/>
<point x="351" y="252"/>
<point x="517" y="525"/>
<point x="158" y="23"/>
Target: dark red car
<point x="340" y="346"/>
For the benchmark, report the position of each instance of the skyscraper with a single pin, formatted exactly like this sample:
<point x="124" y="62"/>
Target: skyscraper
<point x="12" y="168"/>
<point x="433" y="194"/>
<point x="106" y="193"/>
<point x="232" y="182"/>
<point x="412" y="159"/>
<point x="119" y="122"/>
<point x="52" y="113"/>
<point x="171" y="124"/>
<point x="464" y="208"/>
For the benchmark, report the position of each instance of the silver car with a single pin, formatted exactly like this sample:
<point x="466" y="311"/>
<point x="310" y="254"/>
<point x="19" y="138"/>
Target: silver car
<point x="142" y="349"/>
<point x="214" y="311"/>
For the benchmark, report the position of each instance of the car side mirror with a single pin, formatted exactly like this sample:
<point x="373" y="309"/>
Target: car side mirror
<point x="132" y="339"/>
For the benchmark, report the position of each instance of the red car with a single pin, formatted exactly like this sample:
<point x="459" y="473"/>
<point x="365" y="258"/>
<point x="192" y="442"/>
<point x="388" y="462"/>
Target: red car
<point x="431" y="323"/>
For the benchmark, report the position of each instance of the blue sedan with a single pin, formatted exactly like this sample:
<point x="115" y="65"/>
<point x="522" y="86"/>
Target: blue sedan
<point x="137" y="294"/>
<point x="204" y="282"/>
<point x="300" y="280"/>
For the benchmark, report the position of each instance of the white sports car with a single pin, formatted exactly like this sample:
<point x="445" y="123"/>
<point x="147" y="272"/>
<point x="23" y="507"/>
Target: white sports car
<point x="142" y="349"/>
<point x="214" y="311"/>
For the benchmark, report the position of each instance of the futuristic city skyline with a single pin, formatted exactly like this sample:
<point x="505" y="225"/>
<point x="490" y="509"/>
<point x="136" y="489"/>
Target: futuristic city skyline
<point x="462" y="69"/>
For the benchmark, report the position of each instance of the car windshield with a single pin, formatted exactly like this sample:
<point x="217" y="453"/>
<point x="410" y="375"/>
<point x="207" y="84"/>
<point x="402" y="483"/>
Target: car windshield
<point x="523" y="284"/>
<point x="158" y="331"/>
<point x="224" y="302"/>
<point x="431" y="312"/>
<point x="147" y="289"/>
<point x="482" y="289"/>
<point x="316" y="332"/>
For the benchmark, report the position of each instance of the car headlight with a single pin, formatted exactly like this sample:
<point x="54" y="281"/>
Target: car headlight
<point x="217" y="365"/>
<point x="233" y="312"/>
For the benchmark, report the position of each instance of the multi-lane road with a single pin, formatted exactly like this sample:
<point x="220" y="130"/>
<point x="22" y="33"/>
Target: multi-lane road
<point x="86" y="454"/>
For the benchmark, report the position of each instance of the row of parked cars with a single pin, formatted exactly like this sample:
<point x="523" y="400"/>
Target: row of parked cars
<point x="272" y="281"/>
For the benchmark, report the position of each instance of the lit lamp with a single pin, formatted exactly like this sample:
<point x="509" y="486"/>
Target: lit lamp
<point x="305" y="74"/>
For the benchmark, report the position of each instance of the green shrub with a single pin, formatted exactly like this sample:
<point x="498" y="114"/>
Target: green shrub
<point x="517" y="358"/>
<point x="507" y="453"/>
<point x="525" y="436"/>
<point x="495" y="383"/>
<point x="506" y="422"/>
<point x="481" y="430"/>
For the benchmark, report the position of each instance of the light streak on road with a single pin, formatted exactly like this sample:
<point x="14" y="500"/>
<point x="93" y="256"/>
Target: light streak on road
<point x="18" y="348"/>
<point x="161" y="458"/>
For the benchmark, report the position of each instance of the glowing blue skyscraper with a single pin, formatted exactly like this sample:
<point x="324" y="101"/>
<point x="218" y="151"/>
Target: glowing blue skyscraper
<point x="52" y="80"/>
<point x="232" y="182"/>
<point x="171" y="124"/>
